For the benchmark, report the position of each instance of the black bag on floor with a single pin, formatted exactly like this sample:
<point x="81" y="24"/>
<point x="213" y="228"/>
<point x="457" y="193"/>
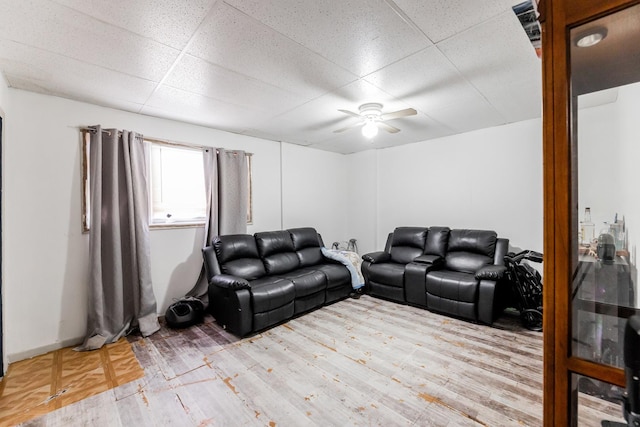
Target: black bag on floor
<point x="185" y="312"/>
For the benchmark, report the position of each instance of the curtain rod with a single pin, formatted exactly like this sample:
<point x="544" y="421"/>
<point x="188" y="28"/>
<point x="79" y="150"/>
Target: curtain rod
<point x="163" y="141"/>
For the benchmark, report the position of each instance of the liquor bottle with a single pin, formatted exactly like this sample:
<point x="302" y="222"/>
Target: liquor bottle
<point x="588" y="228"/>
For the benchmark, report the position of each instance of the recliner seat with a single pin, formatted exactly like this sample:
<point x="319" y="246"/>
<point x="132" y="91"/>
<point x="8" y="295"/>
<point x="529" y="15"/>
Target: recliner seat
<point x="385" y="276"/>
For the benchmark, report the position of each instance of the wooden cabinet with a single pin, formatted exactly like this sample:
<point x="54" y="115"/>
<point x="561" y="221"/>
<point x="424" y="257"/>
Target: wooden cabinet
<point x="589" y="143"/>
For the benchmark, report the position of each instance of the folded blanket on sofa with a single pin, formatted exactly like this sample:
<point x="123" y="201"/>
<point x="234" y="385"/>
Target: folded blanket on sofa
<point x="351" y="260"/>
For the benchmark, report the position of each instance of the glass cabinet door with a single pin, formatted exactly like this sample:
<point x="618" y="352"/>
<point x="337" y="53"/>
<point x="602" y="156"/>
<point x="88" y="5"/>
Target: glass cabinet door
<point x="604" y="59"/>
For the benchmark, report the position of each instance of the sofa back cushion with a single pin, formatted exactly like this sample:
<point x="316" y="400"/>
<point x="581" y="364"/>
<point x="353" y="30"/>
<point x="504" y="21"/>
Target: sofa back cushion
<point x="306" y="243"/>
<point x="437" y="241"/>
<point x="237" y="255"/>
<point x="277" y="252"/>
<point x="407" y="244"/>
<point x="470" y="250"/>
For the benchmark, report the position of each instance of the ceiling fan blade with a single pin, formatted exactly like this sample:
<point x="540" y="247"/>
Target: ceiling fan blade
<point x="351" y="113"/>
<point x="398" y="114"/>
<point x="357" y="125"/>
<point x="388" y="128"/>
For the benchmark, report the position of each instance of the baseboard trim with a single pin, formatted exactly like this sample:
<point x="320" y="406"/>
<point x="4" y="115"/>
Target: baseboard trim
<point x="28" y="354"/>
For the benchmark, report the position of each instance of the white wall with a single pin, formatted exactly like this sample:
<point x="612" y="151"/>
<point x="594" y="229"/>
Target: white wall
<point x="314" y="191"/>
<point x="487" y="179"/>
<point x="4" y="109"/>
<point x="362" y="204"/>
<point x="46" y="253"/>
<point x="4" y="93"/>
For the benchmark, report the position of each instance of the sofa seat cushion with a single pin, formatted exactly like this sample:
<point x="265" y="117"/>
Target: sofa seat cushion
<point x="337" y="274"/>
<point x="467" y="262"/>
<point x="452" y="285"/>
<point x="307" y="281"/>
<point x="388" y="273"/>
<point x="269" y="293"/>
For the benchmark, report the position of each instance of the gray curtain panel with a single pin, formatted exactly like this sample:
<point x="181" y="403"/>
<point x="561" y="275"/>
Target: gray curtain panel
<point x="120" y="290"/>
<point x="226" y="175"/>
<point x="210" y="158"/>
<point x="232" y="199"/>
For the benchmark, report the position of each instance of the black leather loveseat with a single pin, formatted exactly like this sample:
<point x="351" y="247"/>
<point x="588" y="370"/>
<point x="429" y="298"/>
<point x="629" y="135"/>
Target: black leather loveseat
<point x="259" y="281"/>
<point x="456" y="272"/>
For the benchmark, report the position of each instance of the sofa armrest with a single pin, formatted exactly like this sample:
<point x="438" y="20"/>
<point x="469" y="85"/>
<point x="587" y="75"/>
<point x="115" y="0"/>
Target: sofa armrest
<point x="375" y="257"/>
<point x="226" y="281"/>
<point x="491" y="272"/>
<point x="433" y="260"/>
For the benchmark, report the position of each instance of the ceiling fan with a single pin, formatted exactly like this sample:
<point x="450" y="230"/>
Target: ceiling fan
<point x="372" y="119"/>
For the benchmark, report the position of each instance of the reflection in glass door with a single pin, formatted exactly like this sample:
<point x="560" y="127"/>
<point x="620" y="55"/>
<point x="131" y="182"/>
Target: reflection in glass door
<point x="605" y="93"/>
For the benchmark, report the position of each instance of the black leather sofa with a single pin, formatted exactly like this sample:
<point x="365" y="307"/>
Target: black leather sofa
<point x="456" y="272"/>
<point x="258" y="281"/>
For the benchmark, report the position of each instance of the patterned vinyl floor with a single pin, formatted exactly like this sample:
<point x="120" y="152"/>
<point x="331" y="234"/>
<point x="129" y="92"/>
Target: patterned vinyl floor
<point x="42" y="384"/>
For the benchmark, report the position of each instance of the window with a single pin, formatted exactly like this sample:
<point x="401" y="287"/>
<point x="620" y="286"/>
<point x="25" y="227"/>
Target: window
<point x="176" y="193"/>
<point x="177" y="185"/>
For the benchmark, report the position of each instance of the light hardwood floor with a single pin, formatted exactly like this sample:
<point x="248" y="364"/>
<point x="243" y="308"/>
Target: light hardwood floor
<point x="357" y="362"/>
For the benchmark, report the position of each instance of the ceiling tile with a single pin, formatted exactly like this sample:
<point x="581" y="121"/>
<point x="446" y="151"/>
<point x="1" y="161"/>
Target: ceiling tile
<point x="62" y="91"/>
<point x="440" y="20"/>
<point x="264" y="134"/>
<point x="50" y="26"/>
<point x="417" y="128"/>
<point x="426" y="81"/>
<point x="193" y="108"/>
<point x="167" y="21"/>
<point x="507" y="72"/>
<point x="237" y="42"/>
<point x="517" y="101"/>
<point x="350" y="147"/>
<point x="196" y="75"/>
<point x="40" y="71"/>
<point x="360" y="35"/>
<point x="468" y="114"/>
<point x="507" y="56"/>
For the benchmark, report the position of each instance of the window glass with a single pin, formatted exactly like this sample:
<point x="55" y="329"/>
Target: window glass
<point x="177" y="185"/>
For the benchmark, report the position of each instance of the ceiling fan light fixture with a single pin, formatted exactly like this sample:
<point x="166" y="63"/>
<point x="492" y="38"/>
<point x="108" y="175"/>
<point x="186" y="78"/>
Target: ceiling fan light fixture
<point x="371" y="119"/>
<point x="370" y="129"/>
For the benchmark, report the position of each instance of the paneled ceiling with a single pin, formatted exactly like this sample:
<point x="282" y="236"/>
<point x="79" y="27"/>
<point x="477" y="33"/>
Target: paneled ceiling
<point x="281" y="69"/>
